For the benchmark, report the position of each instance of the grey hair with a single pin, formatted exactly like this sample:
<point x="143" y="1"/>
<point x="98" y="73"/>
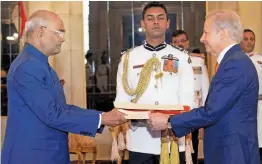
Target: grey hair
<point x="32" y="24"/>
<point x="229" y="20"/>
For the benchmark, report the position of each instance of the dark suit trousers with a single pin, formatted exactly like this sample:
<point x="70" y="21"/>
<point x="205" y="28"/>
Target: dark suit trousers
<point x="260" y="151"/>
<point x="195" y="146"/>
<point x="142" y="158"/>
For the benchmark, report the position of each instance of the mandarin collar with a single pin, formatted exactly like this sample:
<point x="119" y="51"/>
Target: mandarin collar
<point x="157" y="48"/>
<point x="35" y="53"/>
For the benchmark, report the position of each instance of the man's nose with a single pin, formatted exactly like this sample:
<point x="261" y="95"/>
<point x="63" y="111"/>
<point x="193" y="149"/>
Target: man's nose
<point x="62" y="39"/>
<point x="202" y="39"/>
<point x="156" y="21"/>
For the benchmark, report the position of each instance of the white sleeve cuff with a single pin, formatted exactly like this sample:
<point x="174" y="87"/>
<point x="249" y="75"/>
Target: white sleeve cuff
<point x="100" y="119"/>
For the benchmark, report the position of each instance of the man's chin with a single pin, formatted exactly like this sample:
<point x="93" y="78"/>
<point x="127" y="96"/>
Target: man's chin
<point x="157" y="36"/>
<point x="208" y="51"/>
<point x="57" y="52"/>
<point x="250" y="50"/>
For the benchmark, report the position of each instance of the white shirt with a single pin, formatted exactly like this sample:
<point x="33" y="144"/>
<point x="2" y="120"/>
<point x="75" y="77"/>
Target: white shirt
<point x="257" y="61"/>
<point x="172" y="89"/>
<point x="222" y="53"/>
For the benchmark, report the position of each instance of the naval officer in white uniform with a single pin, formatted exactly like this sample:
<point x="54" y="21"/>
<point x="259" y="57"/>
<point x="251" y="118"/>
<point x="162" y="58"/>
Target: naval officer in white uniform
<point x="248" y="45"/>
<point x="201" y="81"/>
<point x="175" y="86"/>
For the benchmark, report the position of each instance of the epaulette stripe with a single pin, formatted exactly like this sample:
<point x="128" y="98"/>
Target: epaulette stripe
<point x="179" y="48"/>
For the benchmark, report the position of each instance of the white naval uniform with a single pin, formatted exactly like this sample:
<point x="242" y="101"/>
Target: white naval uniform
<point x="201" y="82"/>
<point x="102" y="76"/>
<point x="257" y="60"/>
<point x="201" y="88"/>
<point x="173" y="88"/>
<point x="89" y="76"/>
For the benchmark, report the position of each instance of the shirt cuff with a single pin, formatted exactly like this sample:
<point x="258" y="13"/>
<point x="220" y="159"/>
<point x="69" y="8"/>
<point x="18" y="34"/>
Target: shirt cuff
<point x="100" y="120"/>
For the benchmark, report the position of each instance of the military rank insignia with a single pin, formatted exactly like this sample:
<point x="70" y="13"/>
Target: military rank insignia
<point x="170" y="63"/>
<point x="189" y="60"/>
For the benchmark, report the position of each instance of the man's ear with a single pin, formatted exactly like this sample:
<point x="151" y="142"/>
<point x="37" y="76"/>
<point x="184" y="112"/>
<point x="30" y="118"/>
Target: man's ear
<point x="168" y="24"/>
<point x="142" y="23"/>
<point x="223" y="34"/>
<point x="39" y="32"/>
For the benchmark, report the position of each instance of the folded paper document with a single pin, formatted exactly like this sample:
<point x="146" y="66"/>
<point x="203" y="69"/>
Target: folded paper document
<point x="141" y="111"/>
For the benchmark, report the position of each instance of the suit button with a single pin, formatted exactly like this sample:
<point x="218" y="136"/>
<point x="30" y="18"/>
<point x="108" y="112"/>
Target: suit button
<point x="155" y="86"/>
<point x="154" y="54"/>
<point x="156" y="102"/>
<point x="137" y="74"/>
<point x="194" y="78"/>
<point x="170" y="73"/>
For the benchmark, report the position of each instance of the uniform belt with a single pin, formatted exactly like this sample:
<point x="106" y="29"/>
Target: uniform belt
<point x="260" y="97"/>
<point x="197" y="70"/>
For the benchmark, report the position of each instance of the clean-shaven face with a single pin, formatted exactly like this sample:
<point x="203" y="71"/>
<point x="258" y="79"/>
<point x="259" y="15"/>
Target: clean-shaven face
<point x="155" y="22"/>
<point x="211" y="38"/>
<point x="248" y="42"/>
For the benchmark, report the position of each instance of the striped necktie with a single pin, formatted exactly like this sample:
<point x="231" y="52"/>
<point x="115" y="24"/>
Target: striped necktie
<point x="216" y="67"/>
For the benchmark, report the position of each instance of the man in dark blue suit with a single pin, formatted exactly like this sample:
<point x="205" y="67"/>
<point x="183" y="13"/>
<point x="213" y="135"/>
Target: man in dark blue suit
<point x="38" y="117"/>
<point x="229" y="116"/>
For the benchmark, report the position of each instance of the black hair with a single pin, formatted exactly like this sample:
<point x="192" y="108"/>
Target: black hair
<point x="179" y="32"/>
<point x="248" y="30"/>
<point x="196" y="50"/>
<point x="154" y="4"/>
<point x="88" y="54"/>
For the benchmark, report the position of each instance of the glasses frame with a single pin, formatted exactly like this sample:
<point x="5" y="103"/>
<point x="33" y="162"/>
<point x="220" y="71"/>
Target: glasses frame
<point x="181" y="41"/>
<point x="61" y="34"/>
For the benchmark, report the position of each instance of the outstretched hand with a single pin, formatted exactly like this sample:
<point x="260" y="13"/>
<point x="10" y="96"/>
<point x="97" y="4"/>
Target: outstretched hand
<point x="113" y="118"/>
<point x="158" y="121"/>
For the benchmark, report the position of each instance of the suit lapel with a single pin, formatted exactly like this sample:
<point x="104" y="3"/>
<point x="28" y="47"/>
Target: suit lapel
<point x="231" y="51"/>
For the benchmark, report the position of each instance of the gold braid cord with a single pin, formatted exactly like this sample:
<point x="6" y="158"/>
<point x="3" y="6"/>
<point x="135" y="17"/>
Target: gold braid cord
<point x="144" y="79"/>
<point x="174" y="152"/>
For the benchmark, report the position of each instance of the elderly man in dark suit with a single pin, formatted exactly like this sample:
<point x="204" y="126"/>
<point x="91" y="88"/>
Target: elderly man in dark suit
<point x="229" y="116"/>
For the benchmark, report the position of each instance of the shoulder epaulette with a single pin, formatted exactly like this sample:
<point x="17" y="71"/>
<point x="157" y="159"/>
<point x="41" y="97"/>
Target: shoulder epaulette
<point x="180" y="49"/>
<point x="123" y="52"/>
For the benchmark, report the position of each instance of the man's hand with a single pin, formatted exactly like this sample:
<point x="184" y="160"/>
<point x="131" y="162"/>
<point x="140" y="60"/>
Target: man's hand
<point x="158" y="121"/>
<point x="113" y="118"/>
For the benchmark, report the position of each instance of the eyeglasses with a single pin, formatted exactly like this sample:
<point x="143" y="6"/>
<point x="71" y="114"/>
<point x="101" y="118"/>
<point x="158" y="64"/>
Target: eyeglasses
<point x="181" y="41"/>
<point x="61" y="34"/>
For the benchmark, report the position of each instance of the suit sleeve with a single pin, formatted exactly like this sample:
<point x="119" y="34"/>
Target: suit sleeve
<point x="30" y="84"/>
<point x="225" y="92"/>
<point x="204" y="83"/>
<point x="121" y="95"/>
